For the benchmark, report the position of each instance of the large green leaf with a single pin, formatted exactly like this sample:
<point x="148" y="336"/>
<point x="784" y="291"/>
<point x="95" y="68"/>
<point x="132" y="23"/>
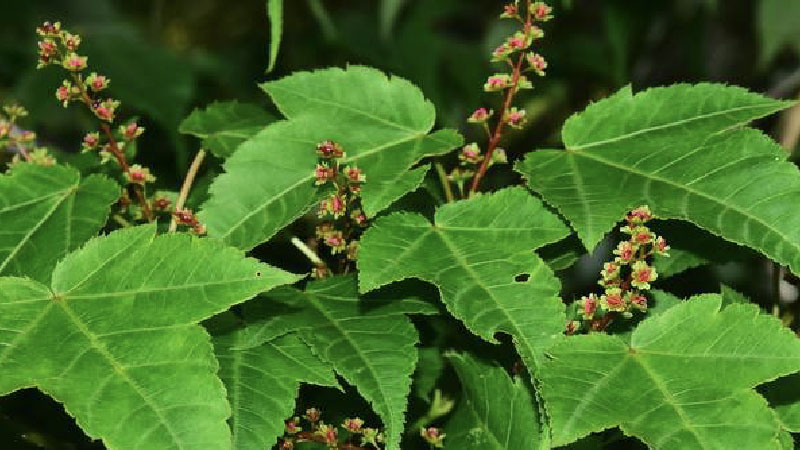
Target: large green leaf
<point x="682" y="151"/>
<point x="224" y="125"/>
<point x="684" y="381"/>
<point x="369" y="343"/>
<point x="495" y="412"/>
<point x="115" y="336"/>
<point x="262" y="384"/>
<point x="473" y="253"/>
<point x="383" y="124"/>
<point x="46" y="212"/>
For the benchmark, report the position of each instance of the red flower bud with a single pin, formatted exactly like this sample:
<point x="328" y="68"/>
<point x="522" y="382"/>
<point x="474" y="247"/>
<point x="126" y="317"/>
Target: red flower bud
<point x="75" y="63"/>
<point x="90" y="141"/>
<point x="353" y="425"/>
<point x="509" y="11"/>
<point x="541" y="11"/>
<point x="537" y="63"/>
<point x="480" y="115"/>
<point x="312" y="415"/>
<point x="49" y="29"/>
<point x="131" y="131"/>
<point x="161" y="204"/>
<point x="354" y="175"/>
<point x="330" y="149"/>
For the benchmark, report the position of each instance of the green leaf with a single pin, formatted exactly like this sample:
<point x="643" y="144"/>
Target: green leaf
<point x="388" y="11"/>
<point x="262" y="384"/>
<point x="382" y="123"/>
<point x="662" y="301"/>
<point x="658" y="302"/>
<point x="563" y="254"/>
<point x="45" y="213"/>
<point x="115" y="336"/>
<point x="472" y="254"/>
<point x="682" y="151"/>
<point x="494" y="412"/>
<point x="683" y="382"/>
<point x="731" y="296"/>
<point x="785" y="441"/>
<point x="678" y="261"/>
<point x="371" y="344"/>
<point x="275" y="16"/>
<point x="777" y="27"/>
<point x="783" y="395"/>
<point x="429" y="369"/>
<point x="223" y="126"/>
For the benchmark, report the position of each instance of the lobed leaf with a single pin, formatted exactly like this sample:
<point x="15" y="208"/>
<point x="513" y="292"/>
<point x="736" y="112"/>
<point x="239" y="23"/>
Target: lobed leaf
<point x="223" y="126"/>
<point x="46" y="212"/>
<point x="372" y="346"/>
<point x="383" y="124"/>
<point x="682" y="151"/>
<point x="683" y="382"/>
<point x="115" y="338"/>
<point x="473" y="253"/>
<point x="494" y="412"/>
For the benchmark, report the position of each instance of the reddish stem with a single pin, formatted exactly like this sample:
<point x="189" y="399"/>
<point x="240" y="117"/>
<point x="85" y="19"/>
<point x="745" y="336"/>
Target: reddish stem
<point x="498" y="130"/>
<point x="603" y="322"/>
<point x="311" y="437"/>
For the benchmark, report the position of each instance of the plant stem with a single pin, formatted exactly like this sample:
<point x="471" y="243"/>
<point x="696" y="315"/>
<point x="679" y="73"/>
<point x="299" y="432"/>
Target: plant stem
<point x="448" y="190"/>
<point x="120" y="220"/>
<point x="305" y="436"/>
<point x="306" y="250"/>
<point x="498" y="130"/>
<point x="187" y="186"/>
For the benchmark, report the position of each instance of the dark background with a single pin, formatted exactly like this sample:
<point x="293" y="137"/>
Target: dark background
<point x="165" y="57"/>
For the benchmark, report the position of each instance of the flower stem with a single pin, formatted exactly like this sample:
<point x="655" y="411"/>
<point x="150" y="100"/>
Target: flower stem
<point x="187" y="186"/>
<point x="448" y="190"/>
<point x="494" y="141"/>
<point x="306" y="250"/>
<point x="115" y="150"/>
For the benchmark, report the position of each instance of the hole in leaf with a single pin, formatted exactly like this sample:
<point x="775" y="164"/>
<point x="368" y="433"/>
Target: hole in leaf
<point x="522" y="278"/>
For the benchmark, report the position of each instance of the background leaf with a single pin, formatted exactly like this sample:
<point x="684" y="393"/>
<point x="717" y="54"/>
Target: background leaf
<point x="777" y="27"/>
<point x="678" y="261"/>
<point x="275" y="15"/>
<point x="115" y="338"/>
<point x="494" y="412"/>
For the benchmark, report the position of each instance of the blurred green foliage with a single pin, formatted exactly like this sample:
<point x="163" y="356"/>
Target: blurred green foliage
<point x="166" y="57"/>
